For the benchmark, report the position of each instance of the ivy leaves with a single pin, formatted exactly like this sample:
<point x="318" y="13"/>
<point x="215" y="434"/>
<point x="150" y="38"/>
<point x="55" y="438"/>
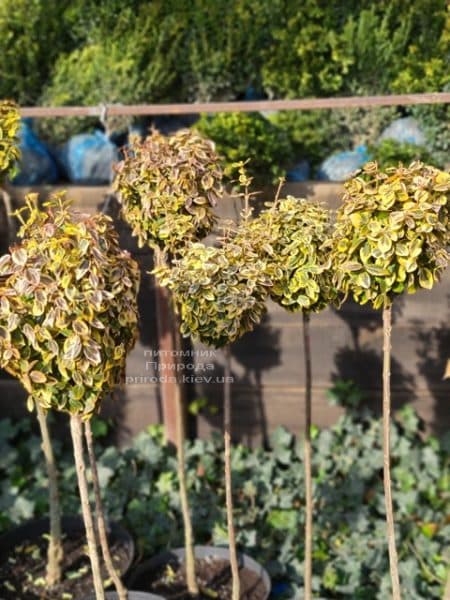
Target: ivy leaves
<point x="68" y="309"/>
<point x="392" y="232"/>
<point x="167" y="187"/>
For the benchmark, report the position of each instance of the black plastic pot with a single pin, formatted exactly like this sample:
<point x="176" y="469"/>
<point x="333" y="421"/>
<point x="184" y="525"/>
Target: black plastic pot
<point x="32" y="530"/>
<point x="131" y="596"/>
<point x="138" y="577"/>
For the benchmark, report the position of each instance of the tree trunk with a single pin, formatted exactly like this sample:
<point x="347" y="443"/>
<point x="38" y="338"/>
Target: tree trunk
<point x="55" y="553"/>
<point x="101" y="526"/>
<point x="307" y="458"/>
<point x="228" y="482"/>
<point x="187" y="524"/>
<point x="393" y="559"/>
<point x="76" y="431"/>
<point x="181" y="468"/>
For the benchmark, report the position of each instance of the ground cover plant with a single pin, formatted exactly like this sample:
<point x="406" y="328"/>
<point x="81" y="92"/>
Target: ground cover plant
<point x="140" y="485"/>
<point x="69" y="314"/>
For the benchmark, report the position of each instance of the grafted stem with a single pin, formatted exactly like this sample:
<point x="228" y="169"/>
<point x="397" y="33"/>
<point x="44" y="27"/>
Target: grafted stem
<point x="228" y="482"/>
<point x="76" y="430"/>
<point x="55" y="552"/>
<point x="307" y="459"/>
<point x="101" y="525"/>
<point x="393" y="558"/>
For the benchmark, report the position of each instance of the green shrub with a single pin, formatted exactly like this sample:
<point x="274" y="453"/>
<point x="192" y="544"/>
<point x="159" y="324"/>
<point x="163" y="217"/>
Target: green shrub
<point x="316" y="134"/>
<point x="389" y="153"/>
<point x="221" y="51"/>
<point x="133" y="62"/>
<point x="242" y="136"/>
<point x="33" y="34"/>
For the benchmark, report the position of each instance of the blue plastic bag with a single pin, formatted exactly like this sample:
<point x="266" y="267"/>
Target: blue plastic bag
<point x="88" y="158"/>
<point x="299" y="172"/>
<point x="36" y="164"/>
<point x="404" y="130"/>
<point x="340" y="166"/>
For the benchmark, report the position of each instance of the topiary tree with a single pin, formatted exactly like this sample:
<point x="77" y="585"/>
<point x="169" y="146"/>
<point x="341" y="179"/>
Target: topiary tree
<point x="289" y="236"/>
<point x="391" y="237"/>
<point x="220" y="294"/>
<point x="68" y="318"/>
<point x="168" y="187"/>
<point x="9" y="154"/>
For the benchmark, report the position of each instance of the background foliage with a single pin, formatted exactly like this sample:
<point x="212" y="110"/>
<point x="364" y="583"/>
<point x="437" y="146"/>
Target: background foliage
<point x="185" y="51"/>
<point x="350" y="553"/>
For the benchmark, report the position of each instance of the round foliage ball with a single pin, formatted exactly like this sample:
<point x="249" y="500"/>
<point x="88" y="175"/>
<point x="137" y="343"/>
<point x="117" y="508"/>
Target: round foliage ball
<point x="220" y="292"/>
<point x="392" y="232"/>
<point x="68" y="307"/>
<point x="168" y="187"/>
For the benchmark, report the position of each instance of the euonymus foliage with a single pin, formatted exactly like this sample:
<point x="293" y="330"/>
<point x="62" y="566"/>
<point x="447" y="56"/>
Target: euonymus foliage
<point x="220" y="292"/>
<point x="288" y="236"/>
<point x="9" y="129"/>
<point x="168" y="187"/>
<point x="391" y="233"/>
<point x="68" y="309"/>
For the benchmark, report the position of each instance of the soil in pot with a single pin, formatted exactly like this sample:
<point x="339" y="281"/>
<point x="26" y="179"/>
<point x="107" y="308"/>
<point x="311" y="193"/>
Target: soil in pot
<point x="131" y="596"/>
<point x="22" y="568"/>
<point x="213" y="577"/>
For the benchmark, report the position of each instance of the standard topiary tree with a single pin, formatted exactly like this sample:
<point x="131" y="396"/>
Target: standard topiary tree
<point x="69" y="315"/>
<point x="168" y="187"/>
<point x="220" y="294"/>
<point x="9" y="155"/>
<point x="289" y="235"/>
<point x="391" y="237"/>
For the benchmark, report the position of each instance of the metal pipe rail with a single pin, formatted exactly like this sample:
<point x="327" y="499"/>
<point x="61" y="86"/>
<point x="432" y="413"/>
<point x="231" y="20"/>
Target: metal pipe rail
<point x="104" y="110"/>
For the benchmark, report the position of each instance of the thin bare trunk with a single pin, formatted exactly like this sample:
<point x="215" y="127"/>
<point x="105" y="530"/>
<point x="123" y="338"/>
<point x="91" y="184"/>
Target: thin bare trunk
<point x="181" y="468"/>
<point x="101" y="526"/>
<point x="55" y="553"/>
<point x="76" y="430"/>
<point x="228" y="483"/>
<point x="188" y="535"/>
<point x="181" y="459"/>
<point x="393" y="559"/>
<point x="307" y="458"/>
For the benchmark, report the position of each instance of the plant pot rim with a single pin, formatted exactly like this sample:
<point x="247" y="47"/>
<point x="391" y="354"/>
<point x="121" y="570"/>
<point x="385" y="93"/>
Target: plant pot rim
<point x="201" y="552"/>
<point x="132" y="595"/>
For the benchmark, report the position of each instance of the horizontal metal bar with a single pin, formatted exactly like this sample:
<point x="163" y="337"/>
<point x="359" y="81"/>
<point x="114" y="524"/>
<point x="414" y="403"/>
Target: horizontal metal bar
<point x="242" y="106"/>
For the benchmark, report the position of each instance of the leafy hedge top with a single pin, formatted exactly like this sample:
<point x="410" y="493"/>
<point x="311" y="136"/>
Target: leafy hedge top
<point x="250" y="137"/>
<point x="289" y="236"/>
<point x="220" y="293"/>
<point x="9" y="130"/>
<point x="68" y="309"/>
<point x="392" y="232"/>
<point x="168" y="186"/>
